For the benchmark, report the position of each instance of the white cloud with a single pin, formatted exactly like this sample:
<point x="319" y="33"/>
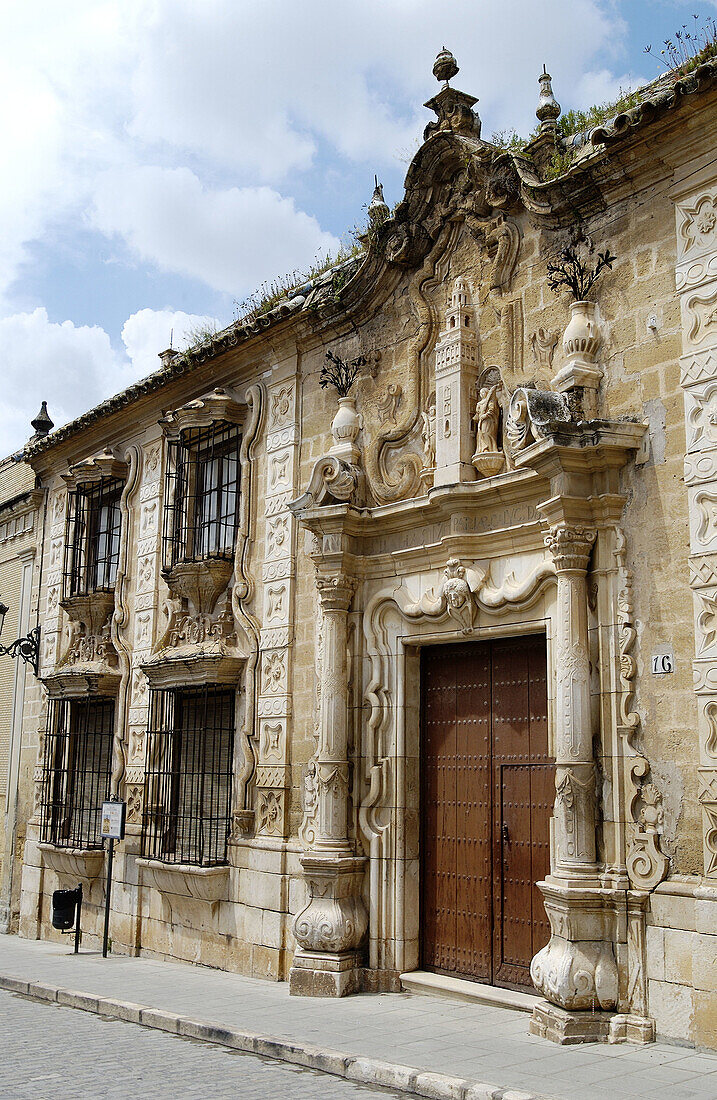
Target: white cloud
<point x="74" y="367"/>
<point x="232" y="239"/>
<point x="150" y="331"/>
<point x="67" y="365"/>
<point x="602" y="86"/>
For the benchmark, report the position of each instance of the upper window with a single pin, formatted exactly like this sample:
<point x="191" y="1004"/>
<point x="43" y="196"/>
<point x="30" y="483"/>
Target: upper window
<point x="202" y="497"/>
<point x="77" y="770"/>
<point x="92" y="541"/>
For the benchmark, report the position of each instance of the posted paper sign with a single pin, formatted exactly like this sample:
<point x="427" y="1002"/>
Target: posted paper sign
<point x="112" y="820"/>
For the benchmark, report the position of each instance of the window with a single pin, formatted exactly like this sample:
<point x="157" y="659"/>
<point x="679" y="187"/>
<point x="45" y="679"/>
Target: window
<point x="189" y="775"/>
<point x="92" y="538"/>
<point x="77" y="770"/>
<point x="202" y="497"/>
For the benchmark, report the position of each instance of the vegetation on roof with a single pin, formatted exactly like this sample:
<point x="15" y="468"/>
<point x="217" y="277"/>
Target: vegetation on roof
<point x="682" y="54"/>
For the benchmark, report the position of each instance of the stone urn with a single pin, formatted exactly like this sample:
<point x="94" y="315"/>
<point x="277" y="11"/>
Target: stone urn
<point x="345" y="428"/>
<point x="580" y="378"/>
<point x="581" y="338"/>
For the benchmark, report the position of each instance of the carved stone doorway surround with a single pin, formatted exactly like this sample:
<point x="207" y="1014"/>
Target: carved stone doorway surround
<point x="588" y="974"/>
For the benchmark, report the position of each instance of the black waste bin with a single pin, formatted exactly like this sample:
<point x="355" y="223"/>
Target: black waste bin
<point x="64" y="906"/>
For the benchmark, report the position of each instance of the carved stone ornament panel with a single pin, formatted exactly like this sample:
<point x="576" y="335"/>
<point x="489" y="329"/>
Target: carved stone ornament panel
<point x="700" y="321"/>
<point x="281" y="406"/>
<point x="698" y="367"/>
<point x="697" y="226"/>
<point x="701" y="409"/>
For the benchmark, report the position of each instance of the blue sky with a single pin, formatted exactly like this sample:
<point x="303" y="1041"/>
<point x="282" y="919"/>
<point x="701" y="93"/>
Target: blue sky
<point x="162" y="158"/>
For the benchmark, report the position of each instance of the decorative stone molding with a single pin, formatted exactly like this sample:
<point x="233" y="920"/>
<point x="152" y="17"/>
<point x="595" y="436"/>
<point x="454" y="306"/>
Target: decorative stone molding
<point x="570" y="546"/>
<point x="105" y="465"/>
<point x="202" y="413"/>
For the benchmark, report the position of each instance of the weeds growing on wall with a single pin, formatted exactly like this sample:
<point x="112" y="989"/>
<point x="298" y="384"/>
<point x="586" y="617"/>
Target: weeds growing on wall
<point x="273" y="291"/>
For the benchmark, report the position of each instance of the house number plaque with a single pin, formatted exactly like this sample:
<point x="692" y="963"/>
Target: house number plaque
<point x="662" y="663"/>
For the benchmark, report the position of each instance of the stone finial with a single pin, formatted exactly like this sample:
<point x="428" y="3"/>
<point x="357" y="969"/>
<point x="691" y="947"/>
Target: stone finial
<point x="167" y="356"/>
<point x="42" y="423"/>
<point x="548" y="110"/>
<point x="445" y="66"/>
<point x="454" y="109"/>
<point x="378" y="210"/>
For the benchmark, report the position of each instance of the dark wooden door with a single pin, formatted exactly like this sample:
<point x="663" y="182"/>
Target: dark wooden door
<point x="487" y="796"/>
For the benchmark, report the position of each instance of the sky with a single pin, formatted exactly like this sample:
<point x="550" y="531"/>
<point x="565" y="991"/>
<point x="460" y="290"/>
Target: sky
<point x="164" y="158"/>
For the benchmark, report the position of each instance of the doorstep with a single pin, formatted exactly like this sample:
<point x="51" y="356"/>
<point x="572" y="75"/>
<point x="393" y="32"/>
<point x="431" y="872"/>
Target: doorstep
<point x="440" y="985"/>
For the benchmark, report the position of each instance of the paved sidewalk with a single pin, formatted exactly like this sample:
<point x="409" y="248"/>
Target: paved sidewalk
<point x="421" y="1045"/>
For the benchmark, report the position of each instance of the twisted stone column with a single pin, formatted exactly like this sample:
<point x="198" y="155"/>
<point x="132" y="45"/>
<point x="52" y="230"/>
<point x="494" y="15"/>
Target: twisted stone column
<point x="329" y="930"/>
<point x="577" y="969"/>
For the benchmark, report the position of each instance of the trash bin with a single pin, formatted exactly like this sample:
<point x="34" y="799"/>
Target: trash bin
<point x="64" y="906"/>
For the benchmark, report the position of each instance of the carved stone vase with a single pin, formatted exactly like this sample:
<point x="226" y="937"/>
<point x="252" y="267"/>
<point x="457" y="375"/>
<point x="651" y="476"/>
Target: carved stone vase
<point x="580" y="378"/>
<point x="581" y="337"/>
<point x="345" y="429"/>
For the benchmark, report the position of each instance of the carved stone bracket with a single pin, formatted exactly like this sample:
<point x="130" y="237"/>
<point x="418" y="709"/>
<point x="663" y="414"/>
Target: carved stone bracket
<point x="333" y="480"/>
<point x="531" y="415"/>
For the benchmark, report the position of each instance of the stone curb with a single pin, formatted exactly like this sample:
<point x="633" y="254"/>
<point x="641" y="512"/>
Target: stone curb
<point x="368" y="1071"/>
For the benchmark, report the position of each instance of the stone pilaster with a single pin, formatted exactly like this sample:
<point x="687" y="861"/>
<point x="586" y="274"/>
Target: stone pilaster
<point x="145" y="610"/>
<point x="330" y="929"/>
<point x="576" y="971"/>
<point x="272" y="774"/>
<point x="696" y="279"/>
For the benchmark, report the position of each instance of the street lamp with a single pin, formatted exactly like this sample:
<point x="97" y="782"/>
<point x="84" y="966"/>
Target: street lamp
<point x="28" y="647"/>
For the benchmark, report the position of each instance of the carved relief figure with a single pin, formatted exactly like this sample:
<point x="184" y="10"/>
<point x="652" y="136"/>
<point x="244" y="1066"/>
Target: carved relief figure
<point x="428" y="435"/>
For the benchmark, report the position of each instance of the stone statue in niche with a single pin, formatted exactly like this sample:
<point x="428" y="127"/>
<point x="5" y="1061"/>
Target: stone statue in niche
<point x="488" y="458"/>
<point x="487" y="419"/>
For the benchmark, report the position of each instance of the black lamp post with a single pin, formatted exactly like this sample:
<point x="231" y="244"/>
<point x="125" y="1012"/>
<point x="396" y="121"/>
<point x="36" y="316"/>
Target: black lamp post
<point x="28" y="647"/>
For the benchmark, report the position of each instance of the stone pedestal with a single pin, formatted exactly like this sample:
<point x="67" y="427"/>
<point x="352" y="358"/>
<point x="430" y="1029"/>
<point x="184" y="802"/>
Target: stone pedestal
<point x="330" y="929"/>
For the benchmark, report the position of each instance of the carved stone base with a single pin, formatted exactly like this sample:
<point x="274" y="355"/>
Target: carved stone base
<point x="324" y="974"/>
<point x="560" y="1026"/>
<point x="577" y="970"/>
<point x="330" y="929"/>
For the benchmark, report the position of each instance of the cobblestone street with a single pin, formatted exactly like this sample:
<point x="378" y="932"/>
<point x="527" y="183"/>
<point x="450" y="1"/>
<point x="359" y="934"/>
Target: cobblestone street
<point x="84" y="1055"/>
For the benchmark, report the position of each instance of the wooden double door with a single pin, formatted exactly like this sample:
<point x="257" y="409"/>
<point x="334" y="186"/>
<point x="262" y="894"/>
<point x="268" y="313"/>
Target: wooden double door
<point x="487" y="791"/>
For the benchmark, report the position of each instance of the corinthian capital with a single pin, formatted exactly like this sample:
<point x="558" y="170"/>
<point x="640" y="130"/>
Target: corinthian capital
<point x="336" y="592"/>
<point x="570" y="545"/>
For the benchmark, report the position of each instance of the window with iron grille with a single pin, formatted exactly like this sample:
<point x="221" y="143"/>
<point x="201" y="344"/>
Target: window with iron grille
<point x="189" y="775"/>
<point x="92" y="537"/>
<point x="77" y="770"/>
<point x="202" y="494"/>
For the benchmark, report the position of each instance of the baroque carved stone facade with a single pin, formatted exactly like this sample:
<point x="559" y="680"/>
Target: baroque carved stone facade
<point x="284" y="564"/>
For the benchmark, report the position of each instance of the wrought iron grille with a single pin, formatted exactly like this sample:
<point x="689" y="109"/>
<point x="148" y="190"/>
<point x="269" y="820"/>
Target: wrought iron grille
<point x="77" y="770"/>
<point x="92" y="537"/>
<point x="189" y="775"/>
<point x="202" y="494"/>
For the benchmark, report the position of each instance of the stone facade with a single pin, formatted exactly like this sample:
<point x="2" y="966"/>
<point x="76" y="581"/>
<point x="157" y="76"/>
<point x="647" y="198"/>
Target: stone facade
<point x="504" y="464"/>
